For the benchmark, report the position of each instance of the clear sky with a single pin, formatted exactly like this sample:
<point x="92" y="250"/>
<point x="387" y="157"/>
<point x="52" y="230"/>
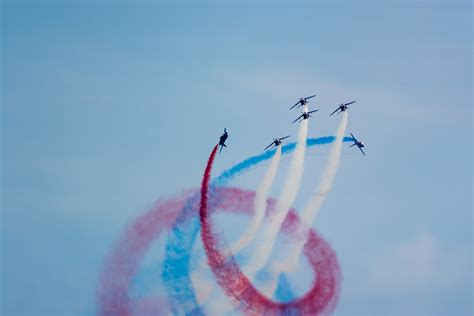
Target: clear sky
<point x="108" y="106"/>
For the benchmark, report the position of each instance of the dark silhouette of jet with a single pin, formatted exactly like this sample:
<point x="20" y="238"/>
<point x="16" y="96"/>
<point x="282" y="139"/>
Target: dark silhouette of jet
<point x="303" y="101"/>
<point x="358" y="143"/>
<point x="304" y="116"/>
<point x="276" y="142"/>
<point x="222" y="140"/>
<point x="342" y="107"/>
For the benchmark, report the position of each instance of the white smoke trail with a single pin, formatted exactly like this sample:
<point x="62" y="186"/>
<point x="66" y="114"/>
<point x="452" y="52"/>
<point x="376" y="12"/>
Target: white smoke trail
<point x="266" y="242"/>
<point x="329" y="174"/>
<point x="260" y="204"/>
<point x="310" y="211"/>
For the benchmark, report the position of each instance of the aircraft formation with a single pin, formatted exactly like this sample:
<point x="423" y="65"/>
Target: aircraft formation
<point x="304" y="116"/>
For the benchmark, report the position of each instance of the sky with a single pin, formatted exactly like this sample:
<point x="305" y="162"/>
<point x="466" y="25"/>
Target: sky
<point x="108" y="106"/>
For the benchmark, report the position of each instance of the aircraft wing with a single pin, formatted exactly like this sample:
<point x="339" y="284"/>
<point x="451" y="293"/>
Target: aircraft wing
<point x="297" y="118"/>
<point x="283" y="137"/>
<point x="353" y="145"/>
<point x="353" y="137"/>
<point x="295" y="105"/>
<point x="361" y="150"/>
<point x="311" y="96"/>
<point x="269" y="146"/>
<point x="350" y="103"/>
<point x="312" y="111"/>
<point x="334" y="111"/>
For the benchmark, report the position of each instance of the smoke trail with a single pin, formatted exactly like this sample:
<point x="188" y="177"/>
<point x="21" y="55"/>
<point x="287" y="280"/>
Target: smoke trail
<point x="183" y="233"/>
<point x="260" y="204"/>
<point x="203" y="216"/>
<point x="327" y="179"/>
<point x="311" y="210"/>
<point x="265" y="245"/>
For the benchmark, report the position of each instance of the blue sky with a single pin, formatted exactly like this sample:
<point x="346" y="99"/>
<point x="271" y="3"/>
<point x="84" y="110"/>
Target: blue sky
<point x="107" y="107"/>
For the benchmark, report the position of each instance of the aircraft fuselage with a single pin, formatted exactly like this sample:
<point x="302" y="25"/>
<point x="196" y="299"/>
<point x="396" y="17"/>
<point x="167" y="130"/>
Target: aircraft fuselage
<point x="223" y="138"/>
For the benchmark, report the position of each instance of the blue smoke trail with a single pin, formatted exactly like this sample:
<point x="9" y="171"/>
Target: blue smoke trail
<point x="176" y="269"/>
<point x="229" y="174"/>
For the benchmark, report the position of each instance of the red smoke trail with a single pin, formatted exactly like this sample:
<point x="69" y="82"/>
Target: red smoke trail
<point x="215" y="258"/>
<point x="321" y="298"/>
<point x="122" y="264"/>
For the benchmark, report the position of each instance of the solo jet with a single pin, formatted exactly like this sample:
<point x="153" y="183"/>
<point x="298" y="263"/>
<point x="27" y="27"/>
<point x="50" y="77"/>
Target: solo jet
<point x="358" y="143"/>
<point x="222" y="140"/>
<point x="304" y="116"/>
<point x="303" y="101"/>
<point x="276" y="142"/>
<point x="342" y="107"/>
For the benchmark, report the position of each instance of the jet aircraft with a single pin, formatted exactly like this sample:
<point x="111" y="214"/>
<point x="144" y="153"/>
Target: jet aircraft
<point x="276" y="142"/>
<point x="222" y="140"/>
<point x="304" y="116"/>
<point x="303" y="101"/>
<point x="358" y="143"/>
<point x="342" y="107"/>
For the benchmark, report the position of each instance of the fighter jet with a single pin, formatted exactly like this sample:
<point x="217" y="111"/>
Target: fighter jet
<point x="302" y="101"/>
<point x="358" y="143"/>
<point x="342" y="107"/>
<point x="276" y="142"/>
<point x="222" y="140"/>
<point x="305" y="116"/>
